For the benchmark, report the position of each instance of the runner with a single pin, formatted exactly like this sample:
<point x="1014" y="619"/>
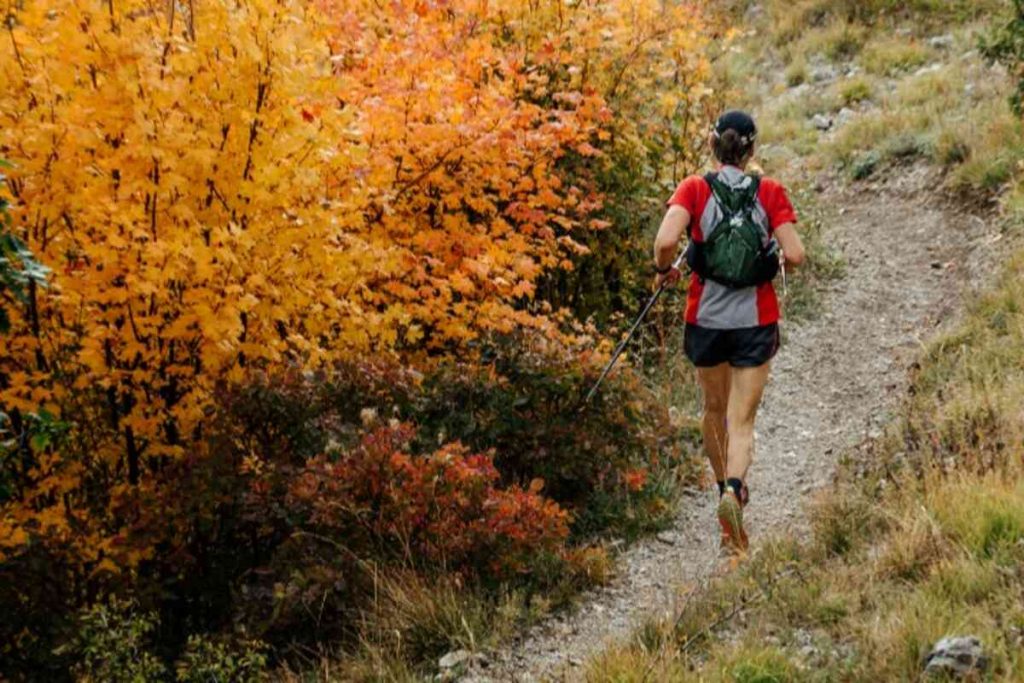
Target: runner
<point x="736" y="224"/>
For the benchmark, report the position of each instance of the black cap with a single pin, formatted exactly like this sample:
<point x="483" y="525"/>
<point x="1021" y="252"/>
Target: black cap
<point x="739" y="121"/>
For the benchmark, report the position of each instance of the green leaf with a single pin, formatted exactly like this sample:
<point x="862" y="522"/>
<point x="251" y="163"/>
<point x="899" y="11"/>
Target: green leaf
<point x="39" y="441"/>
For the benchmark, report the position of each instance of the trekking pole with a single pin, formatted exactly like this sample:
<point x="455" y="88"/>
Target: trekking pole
<point x="782" y="264"/>
<point x="622" y="345"/>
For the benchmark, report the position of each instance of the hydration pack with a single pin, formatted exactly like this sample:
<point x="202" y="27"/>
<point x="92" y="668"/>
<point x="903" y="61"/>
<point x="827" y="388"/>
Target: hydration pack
<point x="736" y="251"/>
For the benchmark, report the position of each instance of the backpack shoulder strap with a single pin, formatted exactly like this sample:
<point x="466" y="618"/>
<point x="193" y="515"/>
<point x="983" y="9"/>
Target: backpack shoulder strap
<point x="755" y="186"/>
<point x="713" y="182"/>
<point x="709" y="178"/>
<point x="716" y="187"/>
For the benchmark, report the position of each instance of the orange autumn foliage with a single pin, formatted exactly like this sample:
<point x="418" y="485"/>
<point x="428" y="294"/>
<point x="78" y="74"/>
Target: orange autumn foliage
<point x="228" y="187"/>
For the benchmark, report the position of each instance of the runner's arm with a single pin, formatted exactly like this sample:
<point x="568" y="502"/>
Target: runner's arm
<point x="791" y="244"/>
<point x="672" y="229"/>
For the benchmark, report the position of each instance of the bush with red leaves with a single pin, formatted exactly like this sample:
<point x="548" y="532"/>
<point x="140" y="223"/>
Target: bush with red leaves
<point x="441" y="509"/>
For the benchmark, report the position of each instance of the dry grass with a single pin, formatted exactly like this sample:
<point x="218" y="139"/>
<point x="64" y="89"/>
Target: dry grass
<point x="413" y="621"/>
<point x="892" y="55"/>
<point x="790" y="19"/>
<point x="836" y="41"/>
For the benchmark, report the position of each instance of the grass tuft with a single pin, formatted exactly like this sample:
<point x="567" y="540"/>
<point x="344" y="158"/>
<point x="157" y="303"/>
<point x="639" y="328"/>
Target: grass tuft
<point x="762" y="665"/>
<point x="855" y="90"/>
<point x="890" y="56"/>
<point x="797" y="72"/>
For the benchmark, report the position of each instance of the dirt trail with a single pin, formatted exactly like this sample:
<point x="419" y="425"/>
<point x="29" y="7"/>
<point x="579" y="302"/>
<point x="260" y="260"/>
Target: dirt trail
<point x="834" y="384"/>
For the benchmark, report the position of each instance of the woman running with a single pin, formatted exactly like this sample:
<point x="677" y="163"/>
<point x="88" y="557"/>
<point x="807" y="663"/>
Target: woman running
<point x="736" y="224"/>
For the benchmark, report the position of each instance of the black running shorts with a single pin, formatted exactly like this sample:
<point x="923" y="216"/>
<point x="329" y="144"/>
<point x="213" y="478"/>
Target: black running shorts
<point x="748" y="347"/>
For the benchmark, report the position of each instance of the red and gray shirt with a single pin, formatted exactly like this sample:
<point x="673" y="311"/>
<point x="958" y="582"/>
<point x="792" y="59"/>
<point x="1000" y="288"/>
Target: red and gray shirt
<point x="710" y="304"/>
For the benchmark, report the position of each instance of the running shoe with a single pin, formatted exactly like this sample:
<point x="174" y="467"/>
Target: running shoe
<point x="730" y="517"/>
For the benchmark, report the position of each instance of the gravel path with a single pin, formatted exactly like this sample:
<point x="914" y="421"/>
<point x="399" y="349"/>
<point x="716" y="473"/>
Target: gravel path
<point x="835" y="383"/>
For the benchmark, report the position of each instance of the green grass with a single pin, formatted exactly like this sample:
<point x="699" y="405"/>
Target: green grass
<point x="758" y="664"/>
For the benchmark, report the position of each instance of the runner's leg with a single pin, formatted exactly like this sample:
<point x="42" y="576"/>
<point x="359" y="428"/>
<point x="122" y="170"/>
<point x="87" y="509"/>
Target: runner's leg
<point x="744" y="398"/>
<point x="714" y="384"/>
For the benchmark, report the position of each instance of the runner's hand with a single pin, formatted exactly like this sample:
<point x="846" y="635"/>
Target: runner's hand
<point x="670" y="278"/>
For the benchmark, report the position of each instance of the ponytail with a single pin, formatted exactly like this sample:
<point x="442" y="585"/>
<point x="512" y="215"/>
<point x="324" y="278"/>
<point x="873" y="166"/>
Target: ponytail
<point x="732" y="148"/>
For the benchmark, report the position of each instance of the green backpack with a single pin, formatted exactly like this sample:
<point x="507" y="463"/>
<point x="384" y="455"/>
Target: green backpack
<point x="735" y="254"/>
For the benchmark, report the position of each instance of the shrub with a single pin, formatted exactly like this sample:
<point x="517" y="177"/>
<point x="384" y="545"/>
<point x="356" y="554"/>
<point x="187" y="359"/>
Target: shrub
<point x="526" y="405"/>
<point x="854" y="91"/>
<point x="206" y="660"/>
<point x="330" y="525"/>
<point x="839" y="41"/>
<point x="113" y="644"/>
<point x="996" y="151"/>
<point x="424" y="493"/>
<point x="440" y="509"/>
<point x="319" y="482"/>
<point x="522" y="401"/>
<point x="906" y="146"/>
<point x="865" y="165"/>
<point x="212" y="273"/>
<point x="308" y="217"/>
